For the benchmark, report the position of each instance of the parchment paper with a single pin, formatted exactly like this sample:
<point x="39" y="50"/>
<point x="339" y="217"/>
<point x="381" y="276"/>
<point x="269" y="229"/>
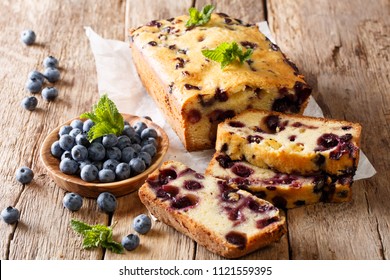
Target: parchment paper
<point x="118" y="79"/>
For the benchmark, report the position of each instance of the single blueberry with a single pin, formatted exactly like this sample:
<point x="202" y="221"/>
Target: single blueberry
<point x="28" y="37"/>
<point x="36" y="75"/>
<point x="139" y="127"/>
<point x="84" y="163"/>
<point x="113" y="153"/>
<point x="96" y="151"/>
<point x="49" y="93"/>
<point x="89" y="173"/>
<point x="79" y="153"/>
<point x="34" y="85"/>
<point x="149" y="141"/>
<point x="52" y="74"/>
<point x="110" y="164"/>
<point x="67" y="142"/>
<point x="72" y="201"/>
<point x="130" y="242"/>
<point x="122" y="171"/>
<point x="136" y="139"/>
<point x="29" y="103"/>
<point x="50" y="61"/>
<point x="69" y="166"/>
<point x="149" y="133"/>
<point x="56" y="149"/>
<point x="65" y="130"/>
<point x="150" y="149"/>
<point x="77" y="124"/>
<point x="142" y="224"/>
<point x="74" y="132"/>
<point x="106" y="176"/>
<point x="128" y="154"/>
<point x="110" y="140"/>
<point x="137" y="147"/>
<point x="66" y="154"/>
<point x="81" y="139"/>
<point x="128" y="131"/>
<point x="146" y="158"/>
<point x="87" y="125"/>
<point x="123" y="142"/>
<point x="107" y="202"/>
<point x="137" y="165"/>
<point x="24" y="175"/>
<point x="10" y="215"/>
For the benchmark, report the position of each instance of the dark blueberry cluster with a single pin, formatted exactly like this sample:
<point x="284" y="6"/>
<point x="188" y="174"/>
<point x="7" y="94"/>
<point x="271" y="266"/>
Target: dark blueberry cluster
<point x="106" y="159"/>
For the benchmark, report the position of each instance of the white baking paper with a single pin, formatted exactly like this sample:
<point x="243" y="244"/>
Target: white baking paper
<point x="118" y="79"/>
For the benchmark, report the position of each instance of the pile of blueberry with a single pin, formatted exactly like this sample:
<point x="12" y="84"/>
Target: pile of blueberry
<point x="36" y="79"/>
<point x="109" y="158"/>
<point x="107" y="203"/>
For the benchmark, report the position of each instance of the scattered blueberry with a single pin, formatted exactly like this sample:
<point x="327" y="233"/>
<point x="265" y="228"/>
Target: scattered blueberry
<point x="10" y="215"/>
<point x="29" y="103"/>
<point x="146" y="158"/>
<point x="66" y="142"/>
<point x="65" y="130"/>
<point x="149" y="133"/>
<point x="130" y="242"/>
<point x="122" y="171"/>
<point x="89" y="173"/>
<point x="34" y="85"/>
<point x="79" y="153"/>
<point x="49" y="93"/>
<point x="28" y="37"/>
<point x="110" y="140"/>
<point x="139" y="127"/>
<point x="24" y="175"/>
<point x="107" y="202"/>
<point x="142" y="224"/>
<point x="52" y="74"/>
<point x="36" y="75"/>
<point x="150" y="149"/>
<point x="87" y="125"/>
<point x="72" y="201"/>
<point x="106" y="176"/>
<point x="137" y="165"/>
<point x="68" y="166"/>
<point x="56" y="149"/>
<point x="50" y="61"/>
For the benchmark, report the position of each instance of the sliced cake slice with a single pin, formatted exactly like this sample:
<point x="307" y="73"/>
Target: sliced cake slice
<point x="282" y="190"/>
<point x="291" y="144"/>
<point x="224" y="219"/>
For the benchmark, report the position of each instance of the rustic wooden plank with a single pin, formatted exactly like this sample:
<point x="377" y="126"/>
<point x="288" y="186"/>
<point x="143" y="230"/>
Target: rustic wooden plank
<point x="342" y="48"/>
<point x="162" y="242"/>
<point x="43" y="231"/>
<point x="250" y="11"/>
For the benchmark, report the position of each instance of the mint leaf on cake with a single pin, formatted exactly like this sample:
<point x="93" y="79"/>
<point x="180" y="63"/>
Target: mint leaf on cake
<point x="226" y="53"/>
<point x="198" y="18"/>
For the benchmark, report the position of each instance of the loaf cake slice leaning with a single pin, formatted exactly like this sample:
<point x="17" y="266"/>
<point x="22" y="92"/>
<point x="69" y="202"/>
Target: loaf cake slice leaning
<point x="225" y="220"/>
<point x="291" y="144"/>
<point x="195" y="93"/>
<point x="282" y="190"/>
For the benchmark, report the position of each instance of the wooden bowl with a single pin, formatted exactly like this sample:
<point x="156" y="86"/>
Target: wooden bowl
<point x="73" y="183"/>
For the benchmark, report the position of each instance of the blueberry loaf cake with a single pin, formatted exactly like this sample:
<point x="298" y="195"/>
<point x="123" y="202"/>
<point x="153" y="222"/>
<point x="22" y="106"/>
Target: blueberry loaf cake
<point x="225" y="220"/>
<point x="283" y="190"/>
<point x="195" y="93"/>
<point x="291" y="144"/>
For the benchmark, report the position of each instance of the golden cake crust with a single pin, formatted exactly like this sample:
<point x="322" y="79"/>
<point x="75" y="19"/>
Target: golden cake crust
<point x="192" y="226"/>
<point x="195" y="93"/>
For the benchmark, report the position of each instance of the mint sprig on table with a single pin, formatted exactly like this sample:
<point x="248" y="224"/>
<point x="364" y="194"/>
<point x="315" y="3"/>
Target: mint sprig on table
<point x="198" y="18"/>
<point x="96" y="235"/>
<point x="106" y="118"/>
<point x="226" y="53"/>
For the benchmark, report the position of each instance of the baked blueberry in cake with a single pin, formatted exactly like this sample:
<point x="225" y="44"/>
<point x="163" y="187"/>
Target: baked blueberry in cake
<point x="291" y="144"/>
<point x="282" y="190"/>
<point x="195" y="93"/>
<point x="222" y="218"/>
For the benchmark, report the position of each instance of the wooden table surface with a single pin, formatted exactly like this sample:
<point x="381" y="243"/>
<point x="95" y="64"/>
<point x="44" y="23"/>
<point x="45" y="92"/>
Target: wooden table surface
<point x="343" y="48"/>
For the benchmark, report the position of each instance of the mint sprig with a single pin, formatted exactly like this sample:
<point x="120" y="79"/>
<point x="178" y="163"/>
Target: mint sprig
<point x="226" y="53"/>
<point x="106" y="118"/>
<point x="198" y="18"/>
<point x="97" y="235"/>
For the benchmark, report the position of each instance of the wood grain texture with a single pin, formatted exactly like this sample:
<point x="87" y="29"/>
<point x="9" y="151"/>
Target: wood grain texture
<point x="342" y="47"/>
<point x="43" y="231"/>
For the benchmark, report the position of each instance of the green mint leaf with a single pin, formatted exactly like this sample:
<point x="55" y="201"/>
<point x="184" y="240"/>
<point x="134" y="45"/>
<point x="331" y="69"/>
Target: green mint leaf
<point x="91" y="239"/>
<point x="226" y="53"/>
<point x="79" y="226"/>
<point x="106" y="117"/>
<point x="198" y="18"/>
<point x="113" y="246"/>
